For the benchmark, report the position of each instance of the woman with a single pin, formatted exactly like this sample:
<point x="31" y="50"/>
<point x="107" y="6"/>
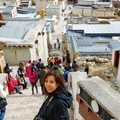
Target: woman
<point x="58" y="99"/>
<point x="3" y="94"/>
<point x="32" y="79"/>
<point x="12" y="84"/>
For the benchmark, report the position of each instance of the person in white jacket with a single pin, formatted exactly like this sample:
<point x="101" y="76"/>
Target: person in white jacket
<point x="3" y="94"/>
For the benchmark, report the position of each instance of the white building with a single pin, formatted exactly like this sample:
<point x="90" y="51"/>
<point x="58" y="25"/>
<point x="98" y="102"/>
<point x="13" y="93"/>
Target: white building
<point x="8" y="11"/>
<point x="10" y="2"/>
<point x="86" y="2"/>
<point x="98" y="9"/>
<point x="116" y="61"/>
<point x="54" y="10"/>
<point x="42" y="4"/>
<point x="26" y="40"/>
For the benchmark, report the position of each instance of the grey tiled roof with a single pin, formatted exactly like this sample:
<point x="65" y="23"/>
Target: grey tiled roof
<point x="54" y="6"/>
<point x="85" y="39"/>
<point x="16" y="29"/>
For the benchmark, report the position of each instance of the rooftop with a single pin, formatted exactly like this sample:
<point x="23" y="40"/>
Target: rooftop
<point x="22" y="32"/>
<point x="94" y="39"/>
<point x="6" y="8"/>
<point x="53" y="6"/>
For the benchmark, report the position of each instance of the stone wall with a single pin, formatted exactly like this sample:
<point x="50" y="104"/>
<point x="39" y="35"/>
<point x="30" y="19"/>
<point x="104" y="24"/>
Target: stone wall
<point x="116" y="4"/>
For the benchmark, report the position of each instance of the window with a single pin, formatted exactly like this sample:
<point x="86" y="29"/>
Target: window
<point x="4" y="4"/>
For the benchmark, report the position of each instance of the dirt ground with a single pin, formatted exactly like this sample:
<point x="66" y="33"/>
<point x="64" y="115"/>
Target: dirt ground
<point x="100" y="71"/>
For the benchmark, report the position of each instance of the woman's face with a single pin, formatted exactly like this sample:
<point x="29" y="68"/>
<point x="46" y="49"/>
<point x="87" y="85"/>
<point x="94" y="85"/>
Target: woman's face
<point x="50" y="84"/>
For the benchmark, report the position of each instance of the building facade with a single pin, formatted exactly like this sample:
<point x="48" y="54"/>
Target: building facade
<point x="26" y="40"/>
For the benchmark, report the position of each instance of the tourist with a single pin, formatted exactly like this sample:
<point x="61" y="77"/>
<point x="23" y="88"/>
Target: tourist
<point x="67" y="58"/>
<point x="65" y="75"/>
<point x="32" y="78"/>
<point x="70" y="69"/>
<point x="58" y="46"/>
<point x="12" y="84"/>
<point x="75" y="66"/>
<point x="58" y="99"/>
<point x="6" y="68"/>
<point x="39" y="64"/>
<point x="40" y="77"/>
<point x="54" y="45"/>
<point x="87" y="66"/>
<point x="57" y="40"/>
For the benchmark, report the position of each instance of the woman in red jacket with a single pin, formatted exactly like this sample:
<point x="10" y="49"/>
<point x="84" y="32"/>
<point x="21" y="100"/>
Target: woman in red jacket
<point x="32" y="79"/>
<point x="12" y="84"/>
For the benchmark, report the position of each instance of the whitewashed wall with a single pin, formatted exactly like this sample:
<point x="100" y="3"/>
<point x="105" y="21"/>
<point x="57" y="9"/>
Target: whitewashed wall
<point x="83" y="2"/>
<point x="82" y="11"/>
<point x="102" y="13"/>
<point x="92" y="12"/>
<point x="43" y="48"/>
<point x="10" y="2"/>
<point x="54" y="11"/>
<point x="62" y="3"/>
<point x="2" y="63"/>
<point x="14" y="55"/>
<point x="87" y="11"/>
<point x="77" y="11"/>
<point x="43" y="4"/>
<point x="73" y="78"/>
<point x="109" y="13"/>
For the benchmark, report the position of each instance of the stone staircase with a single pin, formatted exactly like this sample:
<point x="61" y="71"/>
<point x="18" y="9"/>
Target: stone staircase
<point x="25" y="106"/>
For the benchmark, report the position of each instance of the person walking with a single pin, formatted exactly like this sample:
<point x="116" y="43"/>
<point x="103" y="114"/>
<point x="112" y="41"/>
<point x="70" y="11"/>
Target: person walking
<point x="54" y="45"/>
<point x="32" y="79"/>
<point x="87" y="66"/>
<point x="75" y="66"/>
<point x="57" y="40"/>
<point x="58" y="46"/>
<point x="40" y="77"/>
<point x="68" y="58"/>
<point x="3" y="94"/>
<point x="58" y="99"/>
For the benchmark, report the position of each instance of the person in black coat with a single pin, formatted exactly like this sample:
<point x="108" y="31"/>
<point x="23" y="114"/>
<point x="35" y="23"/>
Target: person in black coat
<point x="58" y="99"/>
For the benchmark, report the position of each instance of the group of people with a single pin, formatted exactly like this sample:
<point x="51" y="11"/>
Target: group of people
<point x="14" y="83"/>
<point x="52" y="82"/>
<point x="53" y="79"/>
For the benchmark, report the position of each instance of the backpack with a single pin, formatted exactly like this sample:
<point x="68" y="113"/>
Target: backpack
<point x="55" y="67"/>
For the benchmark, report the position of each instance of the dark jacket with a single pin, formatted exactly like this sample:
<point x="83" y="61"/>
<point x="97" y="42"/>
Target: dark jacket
<point x="75" y="66"/>
<point x="57" y="108"/>
<point x="41" y="75"/>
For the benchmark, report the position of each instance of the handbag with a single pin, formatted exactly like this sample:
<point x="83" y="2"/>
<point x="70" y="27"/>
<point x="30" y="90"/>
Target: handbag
<point x="3" y="103"/>
<point x="40" y="116"/>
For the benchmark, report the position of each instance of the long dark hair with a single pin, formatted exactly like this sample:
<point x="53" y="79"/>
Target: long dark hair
<point x="32" y="69"/>
<point x="59" y="80"/>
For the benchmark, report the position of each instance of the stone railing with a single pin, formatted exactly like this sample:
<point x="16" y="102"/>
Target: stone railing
<point x="97" y="100"/>
<point x="93" y="98"/>
<point x="73" y="88"/>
